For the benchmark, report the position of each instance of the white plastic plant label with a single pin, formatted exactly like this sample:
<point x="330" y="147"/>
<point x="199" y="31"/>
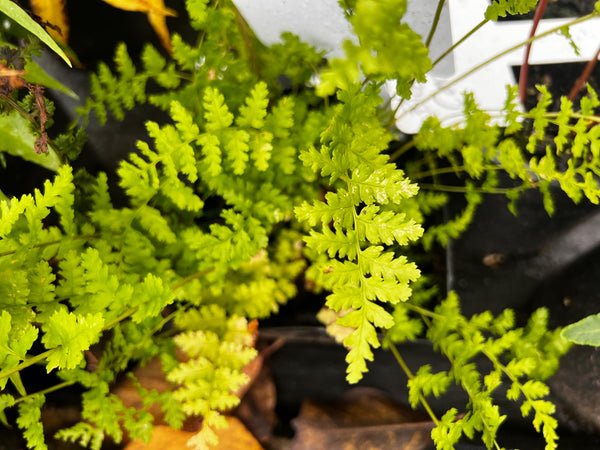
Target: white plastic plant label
<point x="322" y="24"/>
<point x="488" y="83"/>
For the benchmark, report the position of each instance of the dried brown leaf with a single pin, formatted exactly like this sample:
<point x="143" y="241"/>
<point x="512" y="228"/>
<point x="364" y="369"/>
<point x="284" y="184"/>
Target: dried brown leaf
<point x="257" y="408"/>
<point x="234" y="437"/>
<point x="362" y="419"/>
<point x="157" y="15"/>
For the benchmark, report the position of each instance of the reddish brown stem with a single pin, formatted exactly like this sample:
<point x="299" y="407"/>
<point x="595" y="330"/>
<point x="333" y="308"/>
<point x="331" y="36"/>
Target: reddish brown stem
<point x="585" y="75"/>
<point x="539" y="12"/>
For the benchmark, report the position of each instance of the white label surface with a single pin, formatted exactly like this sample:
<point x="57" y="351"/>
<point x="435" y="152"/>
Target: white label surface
<point x="322" y="24"/>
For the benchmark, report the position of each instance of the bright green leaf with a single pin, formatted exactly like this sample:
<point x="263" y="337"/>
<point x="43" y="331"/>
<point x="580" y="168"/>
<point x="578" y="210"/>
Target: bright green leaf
<point x="17" y="140"/>
<point x="71" y="335"/>
<point x="36" y="75"/>
<point x="584" y="332"/>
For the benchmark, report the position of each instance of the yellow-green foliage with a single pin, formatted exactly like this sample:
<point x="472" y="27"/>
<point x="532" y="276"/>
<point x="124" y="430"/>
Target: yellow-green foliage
<point x="249" y="185"/>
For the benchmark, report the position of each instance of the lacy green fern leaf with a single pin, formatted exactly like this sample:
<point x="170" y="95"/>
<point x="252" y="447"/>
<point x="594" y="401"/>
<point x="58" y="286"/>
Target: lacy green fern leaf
<point x="84" y="434"/>
<point x="213" y="374"/>
<point x="500" y="8"/>
<point x="253" y="113"/>
<point x="30" y="422"/>
<point x="461" y="340"/>
<point x="381" y="54"/>
<point x="16" y="343"/>
<point x="70" y="335"/>
<point x="207" y="236"/>
<point x="364" y="274"/>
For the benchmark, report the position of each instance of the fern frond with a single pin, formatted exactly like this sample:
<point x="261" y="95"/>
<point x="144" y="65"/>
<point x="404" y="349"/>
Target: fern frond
<point x="214" y="373"/>
<point x="16" y="341"/>
<point x="216" y="112"/>
<point x="161" y="169"/>
<point x="120" y="91"/>
<point x="363" y="274"/>
<point x="500" y="8"/>
<point x="462" y="340"/>
<point x="70" y="335"/>
<point x="253" y="113"/>
<point x="333" y="243"/>
<point x="338" y="208"/>
<point x="425" y="384"/>
<point x="381" y="54"/>
<point x="30" y="422"/>
<point x="82" y="433"/>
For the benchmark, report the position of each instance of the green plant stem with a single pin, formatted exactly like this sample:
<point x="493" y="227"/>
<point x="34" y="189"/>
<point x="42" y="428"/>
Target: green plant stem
<point x="119" y="319"/>
<point x="190" y="278"/>
<point x="573" y="116"/>
<point x="163" y="322"/>
<point x="442" y="56"/>
<point x="49" y="243"/>
<point x="28" y="362"/>
<point x="392" y="120"/>
<point x="462" y="189"/>
<point x="438" y="171"/>
<point x="406" y="147"/>
<point x="436" y="21"/>
<point x="460" y="41"/>
<point x="243" y="27"/>
<point x="451" y="169"/>
<point x="493" y="114"/>
<point x="46" y="391"/>
<point x="499" y="55"/>
<point x="510" y="375"/>
<point x="424" y="312"/>
<point x="410" y="376"/>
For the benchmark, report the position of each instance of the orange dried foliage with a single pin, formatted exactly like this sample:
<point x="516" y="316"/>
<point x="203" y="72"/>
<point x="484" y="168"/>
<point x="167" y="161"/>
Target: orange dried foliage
<point x="362" y="418"/>
<point x="11" y="78"/>
<point x="234" y="437"/>
<point x="52" y="13"/>
<point x="157" y="15"/>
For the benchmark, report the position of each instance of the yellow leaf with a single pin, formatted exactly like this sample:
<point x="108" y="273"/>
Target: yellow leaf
<point x="159" y="23"/>
<point x="157" y="15"/>
<point x="53" y="13"/>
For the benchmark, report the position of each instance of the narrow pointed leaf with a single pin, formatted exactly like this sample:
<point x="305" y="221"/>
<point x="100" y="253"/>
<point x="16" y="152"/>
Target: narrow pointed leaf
<point x="18" y="15"/>
<point x="584" y="332"/>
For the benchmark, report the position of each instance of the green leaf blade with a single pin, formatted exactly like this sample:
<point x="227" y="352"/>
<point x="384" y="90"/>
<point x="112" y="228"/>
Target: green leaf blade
<point x="17" y="14"/>
<point x="16" y="139"/>
<point x="584" y="332"/>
